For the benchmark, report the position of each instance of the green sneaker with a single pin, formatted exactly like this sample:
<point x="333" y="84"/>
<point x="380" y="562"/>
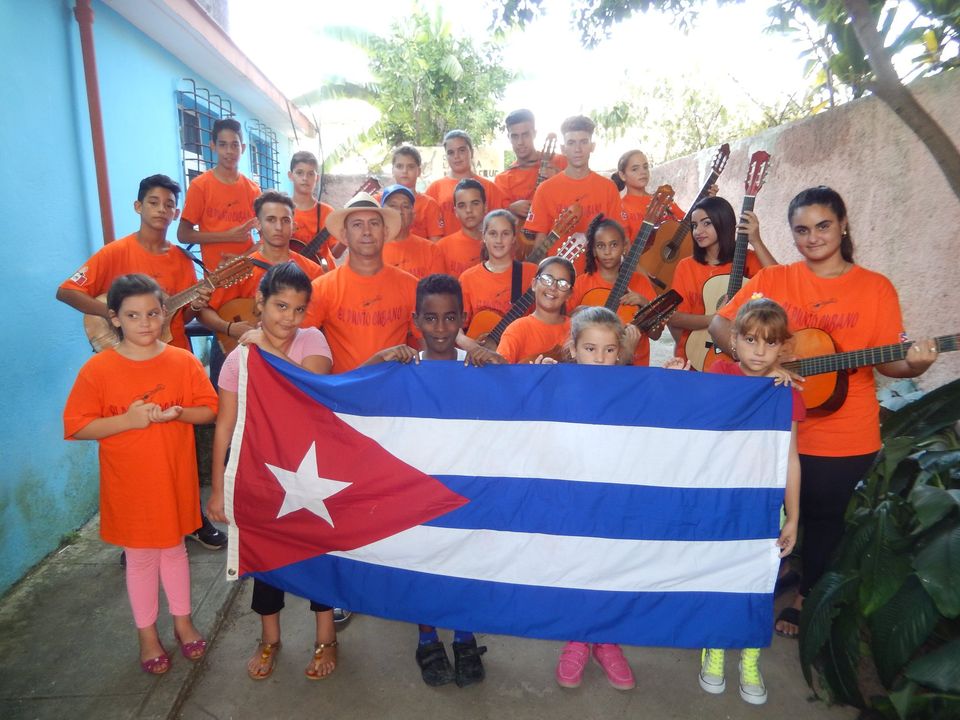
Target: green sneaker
<point x="711" y="671"/>
<point x="752" y="689"/>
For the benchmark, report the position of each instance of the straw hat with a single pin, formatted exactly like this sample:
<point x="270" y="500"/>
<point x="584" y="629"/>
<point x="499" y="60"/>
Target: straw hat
<point x="336" y="221"/>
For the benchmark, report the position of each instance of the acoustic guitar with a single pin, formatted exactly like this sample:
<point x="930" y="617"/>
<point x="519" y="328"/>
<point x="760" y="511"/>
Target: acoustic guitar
<point x="827" y="370"/>
<point x="102" y="335"/>
<point x="234" y="311"/>
<point x="311" y="250"/>
<point x="659" y="207"/>
<point x="673" y="241"/>
<point x="487" y="326"/>
<point x="717" y="291"/>
<point x="546" y="157"/>
<point x="655" y="313"/>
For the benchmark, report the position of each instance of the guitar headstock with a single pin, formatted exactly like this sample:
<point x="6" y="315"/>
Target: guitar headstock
<point x="659" y="206"/>
<point x="370" y="186"/>
<point x="567" y="220"/>
<point x="720" y="159"/>
<point x="549" y="147"/>
<point x="231" y="272"/>
<point x="757" y="172"/>
<point x="573" y="247"/>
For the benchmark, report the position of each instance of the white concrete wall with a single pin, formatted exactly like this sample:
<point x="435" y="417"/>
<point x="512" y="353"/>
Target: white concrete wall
<point x="904" y="219"/>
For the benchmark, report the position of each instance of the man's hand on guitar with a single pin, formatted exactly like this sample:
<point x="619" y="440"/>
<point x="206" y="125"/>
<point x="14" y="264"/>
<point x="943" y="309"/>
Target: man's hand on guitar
<point x="922" y="355"/>
<point x="633" y="298"/>
<point x="750" y="224"/>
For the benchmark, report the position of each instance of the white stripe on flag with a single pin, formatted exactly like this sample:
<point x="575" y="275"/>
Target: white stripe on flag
<point x="582" y="452"/>
<point x="560" y="561"/>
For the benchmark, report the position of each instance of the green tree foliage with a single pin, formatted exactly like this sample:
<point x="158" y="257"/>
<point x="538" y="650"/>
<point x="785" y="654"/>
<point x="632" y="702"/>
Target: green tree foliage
<point x="426" y="80"/>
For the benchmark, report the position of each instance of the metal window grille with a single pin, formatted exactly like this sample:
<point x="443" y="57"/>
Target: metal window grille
<point x="198" y="109"/>
<point x="264" y="155"/>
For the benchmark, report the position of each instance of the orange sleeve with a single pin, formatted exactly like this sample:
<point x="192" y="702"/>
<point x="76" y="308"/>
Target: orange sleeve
<point x="84" y="404"/>
<point x="752" y="265"/>
<point x="684" y="281"/>
<point x="195" y="202"/>
<point x="511" y="342"/>
<point x="94" y="276"/>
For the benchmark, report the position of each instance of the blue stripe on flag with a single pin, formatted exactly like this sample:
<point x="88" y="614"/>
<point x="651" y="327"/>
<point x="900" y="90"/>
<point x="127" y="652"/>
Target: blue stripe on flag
<point x="673" y="619"/>
<point x="613" y="511"/>
<point x="620" y="396"/>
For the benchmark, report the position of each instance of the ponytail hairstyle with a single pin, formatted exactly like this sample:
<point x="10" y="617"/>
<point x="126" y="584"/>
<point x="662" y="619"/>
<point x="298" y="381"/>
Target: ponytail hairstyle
<point x="828" y="197"/>
<point x="724" y="221"/>
<point x="510" y="218"/>
<point x="764" y="318"/>
<point x="284" y="276"/>
<point x="590" y="316"/>
<point x="127" y="286"/>
<point x="598" y="223"/>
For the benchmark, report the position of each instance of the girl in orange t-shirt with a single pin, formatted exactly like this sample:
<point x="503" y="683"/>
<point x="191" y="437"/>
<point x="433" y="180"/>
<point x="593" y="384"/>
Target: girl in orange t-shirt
<point x="488" y="287"/>
<point x="544" y="332"/>
<point x="606" y="245"/>
<point x="632" y="176"/>
<point x="714" y="238"/>
<point x="139" y="399"/>
<point x="859" y="309"/>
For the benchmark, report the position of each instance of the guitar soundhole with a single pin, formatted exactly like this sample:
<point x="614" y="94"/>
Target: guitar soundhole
<point x="668" y="253"/>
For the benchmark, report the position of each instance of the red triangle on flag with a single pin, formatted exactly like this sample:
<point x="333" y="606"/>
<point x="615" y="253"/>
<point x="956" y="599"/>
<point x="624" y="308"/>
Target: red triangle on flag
<point x="281" y="423"/>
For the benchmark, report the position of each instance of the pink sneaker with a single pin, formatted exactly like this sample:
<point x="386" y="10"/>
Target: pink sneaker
<point x="615" y="665"/>
<point x="573" y="659"/>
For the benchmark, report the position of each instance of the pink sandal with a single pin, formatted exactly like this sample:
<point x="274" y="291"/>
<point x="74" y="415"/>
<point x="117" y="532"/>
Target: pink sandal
<point x="156" y="666"/>
<point x="615" y="665"/>
<point x="193" y="650"/>
<point x="571" y="663"/>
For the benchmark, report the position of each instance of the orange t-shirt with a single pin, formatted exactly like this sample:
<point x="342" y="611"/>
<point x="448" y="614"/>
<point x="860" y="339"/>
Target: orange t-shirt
<point x="442" y="191"/>
<point x="427" y="219"/>
<point x="485" y="290"/>
<point x="529" y="337"/>
<point x="596" y="194"/>
<point x="689" y="279"/>
<point x="518" y="183"/>
<point x="172" y="270"/>
<point x="638" y="284"/>
<point x="149" y="493"/>
<point x="635" y="208"/>
<point x="460" y="252"/>
<point x="414" y="254"/>
<point x="248" y="288"/>
<point x="859" y="309"/>
<point x="306" y="229"/>
<point x="215" y="206"/>
<point x="360" y="314"/>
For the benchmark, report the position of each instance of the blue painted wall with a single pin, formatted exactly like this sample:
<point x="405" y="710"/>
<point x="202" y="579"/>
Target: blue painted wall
<point x="49" y="487"/>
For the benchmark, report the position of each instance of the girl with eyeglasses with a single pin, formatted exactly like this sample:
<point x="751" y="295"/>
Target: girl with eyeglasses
<point x="545" y="332"/>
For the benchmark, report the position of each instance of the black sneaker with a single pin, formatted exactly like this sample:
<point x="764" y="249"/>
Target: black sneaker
<point x="341" y="616"/>
<point x="434" y="664"/>
<point x="467" y="662"/>
<point x="208" y="536"/>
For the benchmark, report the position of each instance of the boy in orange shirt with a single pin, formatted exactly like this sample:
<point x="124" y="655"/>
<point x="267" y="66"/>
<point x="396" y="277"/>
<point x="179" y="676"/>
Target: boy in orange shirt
<point x="427" y="220"/>
<point x="363" y="306"/>
<point x="145" y="251"/>
<point x="310" y="215"/>
<point x="218" y="212"/>
<point x="577" y="183"/>
<point x="408" y="251"/>
<point x="459" y="149"/>
<point x="274" y="213"/>
<point x="461" y="250"/>
<point x="518" y="182"/>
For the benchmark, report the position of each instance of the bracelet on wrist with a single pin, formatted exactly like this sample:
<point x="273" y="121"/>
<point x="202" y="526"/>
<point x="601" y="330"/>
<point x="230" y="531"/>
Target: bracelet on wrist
<point x="229" y="324"/>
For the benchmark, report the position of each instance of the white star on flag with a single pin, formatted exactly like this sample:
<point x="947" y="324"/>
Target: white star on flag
<point x="304" y="488"/>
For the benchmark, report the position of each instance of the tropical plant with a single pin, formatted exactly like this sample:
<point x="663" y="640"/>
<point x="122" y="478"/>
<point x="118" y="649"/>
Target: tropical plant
<point x="882" y="626"/>
<point x="426" y="80"/>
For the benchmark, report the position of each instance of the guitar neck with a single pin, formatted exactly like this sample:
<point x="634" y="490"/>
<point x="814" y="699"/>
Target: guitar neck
<point x="628" y="266"/>
<point x="862" y="358"/>
<point x="539" y="252"/>
<point x="516" y="311"/>
<point x="740" y="251"/>
<point x="313" y="247"/>
<point x="175" y="302"/>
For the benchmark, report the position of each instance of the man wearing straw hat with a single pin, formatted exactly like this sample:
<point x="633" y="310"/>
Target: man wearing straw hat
<point x="363" y="306"/>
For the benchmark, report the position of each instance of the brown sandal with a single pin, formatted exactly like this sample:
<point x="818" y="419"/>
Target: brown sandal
<point x="313" y="669"/>
<point x="263" y="659"/>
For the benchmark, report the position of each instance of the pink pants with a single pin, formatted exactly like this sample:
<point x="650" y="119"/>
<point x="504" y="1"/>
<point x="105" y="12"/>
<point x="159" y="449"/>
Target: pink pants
<point x="146" y="569"/>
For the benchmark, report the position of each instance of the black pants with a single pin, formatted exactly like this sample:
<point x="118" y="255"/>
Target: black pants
<point x="826" y="486"/>
<point x="268" y="600"/>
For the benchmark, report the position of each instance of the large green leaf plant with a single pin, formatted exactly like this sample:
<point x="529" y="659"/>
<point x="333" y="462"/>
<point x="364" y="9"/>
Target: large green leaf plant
<point x="881" y="629"/>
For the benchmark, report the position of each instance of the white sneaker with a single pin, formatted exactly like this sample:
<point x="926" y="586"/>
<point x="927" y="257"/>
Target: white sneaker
<point x="752" y="689"/>
<point x="711" y="671"/>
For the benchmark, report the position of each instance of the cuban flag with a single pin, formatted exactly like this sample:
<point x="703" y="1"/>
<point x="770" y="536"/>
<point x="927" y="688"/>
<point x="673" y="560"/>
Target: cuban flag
<point x="638" y="506"/>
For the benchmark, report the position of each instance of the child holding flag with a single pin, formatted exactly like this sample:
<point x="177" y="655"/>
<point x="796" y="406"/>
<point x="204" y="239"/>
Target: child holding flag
<point x="282" y="301"/>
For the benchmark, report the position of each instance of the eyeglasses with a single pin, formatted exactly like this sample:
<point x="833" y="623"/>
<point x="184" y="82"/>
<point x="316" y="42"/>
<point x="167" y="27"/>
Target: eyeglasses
<point x="550" y="281"/>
